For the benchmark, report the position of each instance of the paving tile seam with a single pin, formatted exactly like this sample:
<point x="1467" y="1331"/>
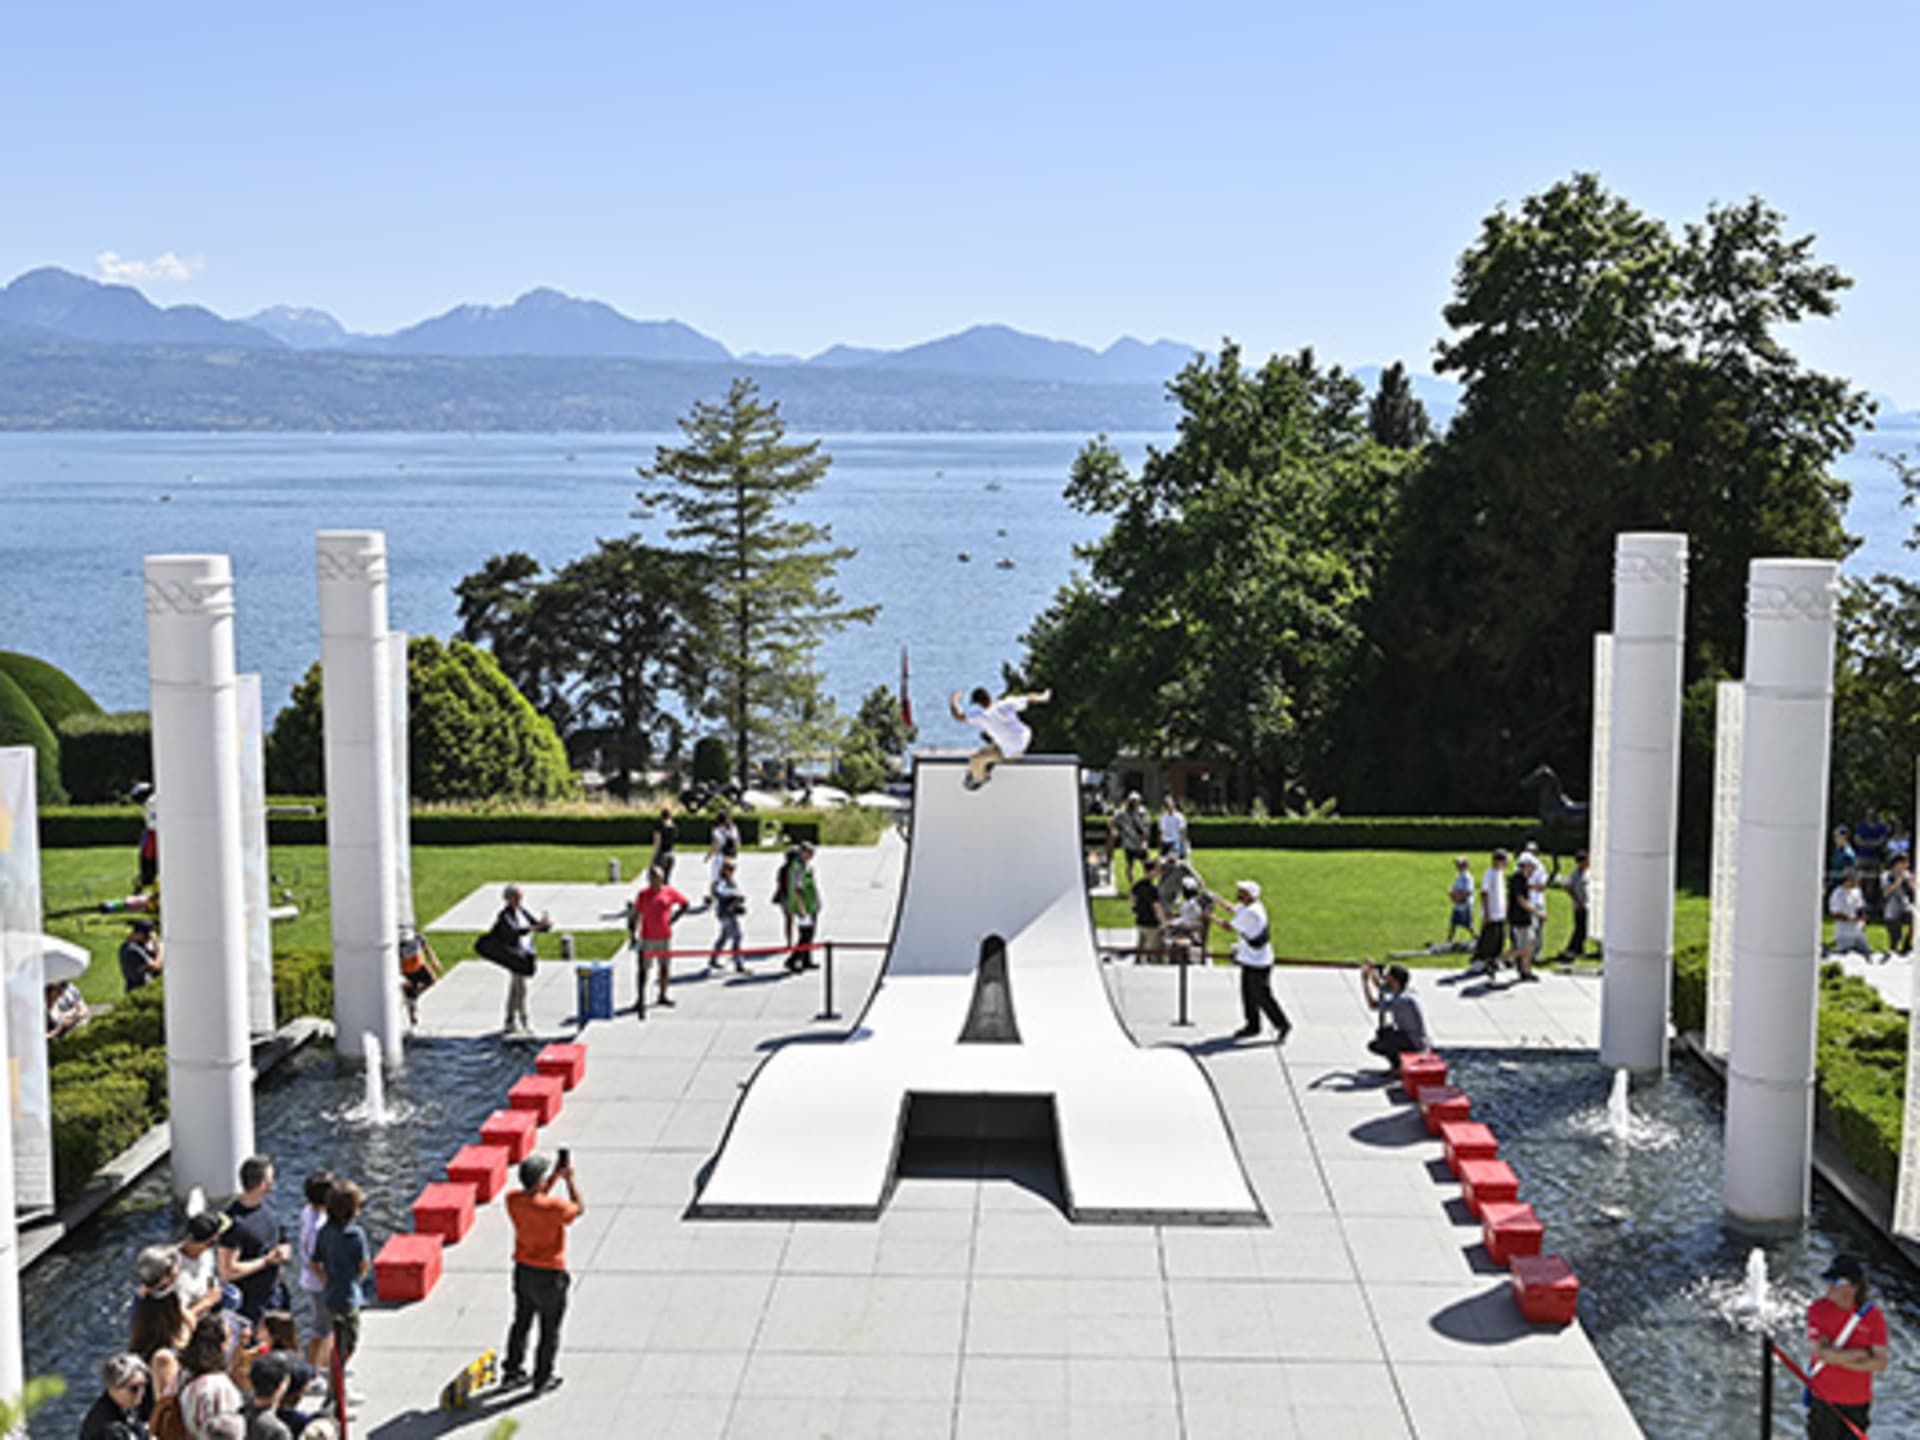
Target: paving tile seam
<point x="966" y="1316"/>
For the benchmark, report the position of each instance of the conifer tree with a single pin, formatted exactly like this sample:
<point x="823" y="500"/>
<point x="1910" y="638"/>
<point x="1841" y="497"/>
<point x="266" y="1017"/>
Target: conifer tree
<point x="1395" y="416"/>
<point x="768" y="578"/>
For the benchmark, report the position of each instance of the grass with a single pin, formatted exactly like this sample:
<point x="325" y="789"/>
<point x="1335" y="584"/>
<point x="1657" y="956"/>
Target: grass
<point x="1326" y="905"/>
<point x="1333" y="905"/>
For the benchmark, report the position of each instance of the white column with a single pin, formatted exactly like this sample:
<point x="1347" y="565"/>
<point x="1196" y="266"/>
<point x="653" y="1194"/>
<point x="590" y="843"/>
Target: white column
<point x="1728" y="713"/>
<point x="196" y="772"/>
<point x="19" y="946"/>
<point x="1597" y="790"/>
<point x="358" y="683"/>
<point x="254" y="866"/>
<point x="1643" y="782"/>
<point x="402" y="791"/>
<point x="1776" y="932"/>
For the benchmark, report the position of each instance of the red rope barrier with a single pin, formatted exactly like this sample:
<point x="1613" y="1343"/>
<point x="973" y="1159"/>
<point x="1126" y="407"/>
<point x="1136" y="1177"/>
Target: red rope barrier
<point x="1807" y="1380"/>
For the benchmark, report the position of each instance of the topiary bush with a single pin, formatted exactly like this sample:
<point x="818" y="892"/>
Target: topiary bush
<point x="471" y="735"/>
<point x="102" y="757"/>
<point x="712" y="765"/>
<point x="55" y="694"/>
<point x="94" y="1119"/>
<point x="21" y="723"/>
<point x="1690" y="989"/>
<point x="302" y="984"/>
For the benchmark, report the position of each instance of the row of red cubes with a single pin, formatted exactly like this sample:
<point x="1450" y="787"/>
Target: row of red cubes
<point x="408" y="1266"/>
<point x="1544" y="1286"/>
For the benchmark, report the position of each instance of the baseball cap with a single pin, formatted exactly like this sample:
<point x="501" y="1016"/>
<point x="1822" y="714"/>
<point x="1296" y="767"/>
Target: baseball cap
<point x="1252" y="887"/>
<point x="1844" y="1267"/>
<point x="145" y="927"/>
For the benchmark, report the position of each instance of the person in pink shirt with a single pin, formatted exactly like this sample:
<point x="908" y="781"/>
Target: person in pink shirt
<point x="655" y="909"/>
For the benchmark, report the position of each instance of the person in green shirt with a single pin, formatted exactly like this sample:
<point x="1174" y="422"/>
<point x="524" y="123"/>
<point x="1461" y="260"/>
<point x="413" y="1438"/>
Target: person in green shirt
<point x="803" y="904"/>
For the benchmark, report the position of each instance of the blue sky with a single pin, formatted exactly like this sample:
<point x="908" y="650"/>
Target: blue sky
<point x="785" y="176"/>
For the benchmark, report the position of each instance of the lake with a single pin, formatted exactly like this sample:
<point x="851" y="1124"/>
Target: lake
<point x="82" y="509"/>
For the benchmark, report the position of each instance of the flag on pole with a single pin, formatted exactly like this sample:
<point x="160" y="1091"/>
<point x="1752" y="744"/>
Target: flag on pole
<point x="906" y="701"/>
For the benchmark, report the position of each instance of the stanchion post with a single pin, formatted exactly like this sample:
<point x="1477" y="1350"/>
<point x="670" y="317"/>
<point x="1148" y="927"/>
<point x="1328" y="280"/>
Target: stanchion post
<point x="1186" y="959"/>
<point x="1766" y="1386"/>
<point x="640" y="967"/>
<point x="827" y="1012"/>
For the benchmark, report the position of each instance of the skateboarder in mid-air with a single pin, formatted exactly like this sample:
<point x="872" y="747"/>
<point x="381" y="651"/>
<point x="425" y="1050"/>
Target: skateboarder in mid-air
<point x="1005" y="734"/>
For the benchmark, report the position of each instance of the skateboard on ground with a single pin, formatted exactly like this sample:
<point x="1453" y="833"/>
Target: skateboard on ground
<point x="476" y="1377"/>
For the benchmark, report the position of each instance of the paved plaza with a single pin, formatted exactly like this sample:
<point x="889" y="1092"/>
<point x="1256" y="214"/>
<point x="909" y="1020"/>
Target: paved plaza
<point x="972" y="1308"/>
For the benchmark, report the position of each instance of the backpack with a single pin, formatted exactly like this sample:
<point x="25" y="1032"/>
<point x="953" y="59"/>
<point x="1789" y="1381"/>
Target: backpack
<point x="167" y="1423"/>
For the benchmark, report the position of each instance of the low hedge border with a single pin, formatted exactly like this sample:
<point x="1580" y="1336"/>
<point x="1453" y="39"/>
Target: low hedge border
<point x="1860" y="1061"/>
<point x="108" y="1079"/>
<point x="1462" y="833"/>
<point x="73" y="827"/>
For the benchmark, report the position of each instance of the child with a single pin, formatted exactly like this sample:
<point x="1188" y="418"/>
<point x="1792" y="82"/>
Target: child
<point x="1004" y="734"/>
<point x="342" y="1255"/>
<point x="312" y="1216"/>
<point x="419" y="968"/>
<point x="1460" y="894"/>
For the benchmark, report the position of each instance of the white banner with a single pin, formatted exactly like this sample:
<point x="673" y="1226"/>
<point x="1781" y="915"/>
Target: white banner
<point x="1597" y="790"/>
<point x="402" y="795"/>
<point x="255" y="872"/>
<point x="20" y="948"/>
<point x="1729" y="717"/>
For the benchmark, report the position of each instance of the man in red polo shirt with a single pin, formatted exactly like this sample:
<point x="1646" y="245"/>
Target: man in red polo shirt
<point x="1848" y="1337"/>
<point x="540" y="1280"/>
<point x="655" y="909"/>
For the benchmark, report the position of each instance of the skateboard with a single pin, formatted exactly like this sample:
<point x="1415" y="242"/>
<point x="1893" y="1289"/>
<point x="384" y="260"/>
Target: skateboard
<point x="476" y="1377"/>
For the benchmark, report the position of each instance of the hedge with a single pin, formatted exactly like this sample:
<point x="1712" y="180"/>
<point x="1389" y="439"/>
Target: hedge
<point x="109" y="1077"/>
<point x="1462" y="833"/>
<point x="102" y="757"/>
<point x="55" y="694"/>
<point x="1860" y="1060"/>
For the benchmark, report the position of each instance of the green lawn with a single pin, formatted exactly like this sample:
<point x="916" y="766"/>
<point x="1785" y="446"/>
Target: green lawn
<point x="1325" y="904"/>
<point x="1346" y="904"/>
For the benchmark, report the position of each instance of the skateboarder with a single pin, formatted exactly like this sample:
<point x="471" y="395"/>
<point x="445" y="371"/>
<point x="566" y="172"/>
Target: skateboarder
<point x="1004" y="733"/>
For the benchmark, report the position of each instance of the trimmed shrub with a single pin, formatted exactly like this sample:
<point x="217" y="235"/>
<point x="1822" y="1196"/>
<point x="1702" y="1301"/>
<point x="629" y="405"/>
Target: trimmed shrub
<point x="1861" y="1060"/>
<point x="95" y="1119"/>
<point x="55" y="694"/>
<point x="1690" y="988"/>
<point x="302" y="985"/>
<point x="712" y="765"/>
<point x="21" y="723"/>
<point x="102" y="757"/>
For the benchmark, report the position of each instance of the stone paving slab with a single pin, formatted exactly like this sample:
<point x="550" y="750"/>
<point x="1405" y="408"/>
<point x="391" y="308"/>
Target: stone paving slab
<point x="971" y="1307"/>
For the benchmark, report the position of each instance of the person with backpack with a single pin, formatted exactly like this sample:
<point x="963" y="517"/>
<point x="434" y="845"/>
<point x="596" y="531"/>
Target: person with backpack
<point x="1253" y="953"/>
<point x="1847" y="1334"/>
<point x="730" y="905"/>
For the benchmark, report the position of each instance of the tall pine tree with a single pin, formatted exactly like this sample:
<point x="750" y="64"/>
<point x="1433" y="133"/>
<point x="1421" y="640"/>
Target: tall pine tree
<point x="769" y="579"/>
<point x="1395" y="416"/>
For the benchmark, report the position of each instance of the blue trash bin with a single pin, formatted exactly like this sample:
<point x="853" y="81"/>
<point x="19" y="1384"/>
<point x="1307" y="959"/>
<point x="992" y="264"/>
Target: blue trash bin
<point x="593" y="990"/>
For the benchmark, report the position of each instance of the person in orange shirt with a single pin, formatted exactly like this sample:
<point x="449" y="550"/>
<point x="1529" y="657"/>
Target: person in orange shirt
<point x="540" y="1220"/>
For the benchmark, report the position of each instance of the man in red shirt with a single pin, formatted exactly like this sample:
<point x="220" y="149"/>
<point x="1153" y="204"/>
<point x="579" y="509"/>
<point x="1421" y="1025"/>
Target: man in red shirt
<point x="1848" y="1336"/>
<point x="655" y="909"/>
<point x="540" y="1219"/>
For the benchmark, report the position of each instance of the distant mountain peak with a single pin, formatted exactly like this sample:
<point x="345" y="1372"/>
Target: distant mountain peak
<point x="73" y="306"/>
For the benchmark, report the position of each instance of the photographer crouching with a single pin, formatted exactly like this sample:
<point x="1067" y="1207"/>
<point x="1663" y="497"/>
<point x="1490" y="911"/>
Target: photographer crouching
<point x="1402" y="1028"/>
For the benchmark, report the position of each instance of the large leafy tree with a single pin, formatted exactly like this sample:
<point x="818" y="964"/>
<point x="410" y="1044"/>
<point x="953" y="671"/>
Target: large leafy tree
<point x="1216" y="616"/>
<point x="1876" y="713"/>
<point x="604" y="643"/>
<point x="768" y="578"/>
<point x="1617" y="377"/>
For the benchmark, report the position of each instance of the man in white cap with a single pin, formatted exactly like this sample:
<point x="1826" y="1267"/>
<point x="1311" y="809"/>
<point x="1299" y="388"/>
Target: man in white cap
<point x="1253" y="953"/>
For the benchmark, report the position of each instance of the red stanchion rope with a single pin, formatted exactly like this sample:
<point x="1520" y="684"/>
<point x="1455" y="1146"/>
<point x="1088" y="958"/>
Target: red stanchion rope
<point x="1807" y="1380"/>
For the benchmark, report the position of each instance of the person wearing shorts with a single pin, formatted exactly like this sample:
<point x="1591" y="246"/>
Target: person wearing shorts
<point x="1004" y="735"/>
<point x="312" y="1289"/>
<point x="655" y="909"/>
<point x="1493" y="916"/>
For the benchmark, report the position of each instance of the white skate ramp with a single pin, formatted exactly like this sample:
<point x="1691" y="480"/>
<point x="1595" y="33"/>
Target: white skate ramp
<point x="1140" y="1133"/>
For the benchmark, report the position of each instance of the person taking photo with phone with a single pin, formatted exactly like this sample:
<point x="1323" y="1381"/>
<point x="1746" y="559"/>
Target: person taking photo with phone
<point x="540" y="1220"/>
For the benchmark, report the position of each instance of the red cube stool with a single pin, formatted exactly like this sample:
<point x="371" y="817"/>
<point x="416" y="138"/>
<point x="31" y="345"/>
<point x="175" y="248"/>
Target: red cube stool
<point x="1442" y="1105"/>
<point x="484" y="1167"/>
<point x="1546" y="1289"/>
<point x="1484" y="1180"/>
<point x="444" y="1209"/>
<point x="407" y="1268"/>
<point x="539" y="1095"/>
<point x="568" y="1062"/>
<point x="1422" y="1067"/>
<point x="1510" y="1230"/>
<point x="1464" y="1140"/>
<point x="512" y="1130"/>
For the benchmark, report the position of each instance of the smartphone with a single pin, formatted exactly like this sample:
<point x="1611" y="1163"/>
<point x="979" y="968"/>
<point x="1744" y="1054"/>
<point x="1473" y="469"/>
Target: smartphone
<point x="566" y="1157"/>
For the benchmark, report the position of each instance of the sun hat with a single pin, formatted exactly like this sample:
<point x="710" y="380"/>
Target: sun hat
<point x="1252" y="887"/>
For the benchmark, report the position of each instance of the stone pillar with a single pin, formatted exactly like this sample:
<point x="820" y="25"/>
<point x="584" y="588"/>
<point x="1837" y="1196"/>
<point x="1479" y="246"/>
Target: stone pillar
<point x="358" y="683"/>
<point x="402" y="790"/>
<point x="1729" y="706"/>
<point x="1776" y="932"/>
<point x="196" y="767"/>
<point x="19" y="948"/>
<point x="256" y="872"/>
<point x="1597" y="791"/>
<point x="1643" y="784"/>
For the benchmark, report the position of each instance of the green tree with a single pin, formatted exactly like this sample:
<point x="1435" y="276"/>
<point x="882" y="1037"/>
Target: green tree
<point x="877" y="737"/>
<point x="1876" y="701"/>
<point x="1617" y="377"/>
<point x="768" y="577"/>
<point x="496" y="610"/>
<point x="1217" y="614"/>
<point x="1395" y="416"/>
<point x="470" y="734"/>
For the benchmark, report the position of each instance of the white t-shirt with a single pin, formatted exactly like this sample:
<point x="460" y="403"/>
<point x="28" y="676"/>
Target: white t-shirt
<point x="1493" y="889"/>
<point x="1001" y="720"/>
<point x="197" y="1275"/>
<point x="1847" y="904"/>
<point x="311" y="1219"/>
<point x="1537" y="890"/>
<point x="1173" y="828"/>
<point x="1249" y="921"/>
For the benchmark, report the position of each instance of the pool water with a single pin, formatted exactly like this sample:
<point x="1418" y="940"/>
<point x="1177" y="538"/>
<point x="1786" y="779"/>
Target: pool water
<point x="309" y="1115"/>
<point x="1662" y="1269"/>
